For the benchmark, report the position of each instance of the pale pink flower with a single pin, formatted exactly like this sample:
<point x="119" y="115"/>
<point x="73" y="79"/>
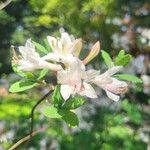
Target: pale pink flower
<point x="62" y="47"/>
<point x="72" y="81"/>
<point x="66" y="45"/>
<point x="111" y="85"/>
<point x="30" y="60"/>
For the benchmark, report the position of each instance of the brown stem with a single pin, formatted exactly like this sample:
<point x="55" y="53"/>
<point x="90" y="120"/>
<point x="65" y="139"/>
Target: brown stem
<point x="34" y="107"/>
<point x="25" y="139"/>
<point x="3" y="5"/>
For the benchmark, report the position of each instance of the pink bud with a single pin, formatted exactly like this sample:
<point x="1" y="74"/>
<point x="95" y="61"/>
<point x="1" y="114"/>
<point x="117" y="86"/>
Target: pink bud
<point x="93" y="53"/>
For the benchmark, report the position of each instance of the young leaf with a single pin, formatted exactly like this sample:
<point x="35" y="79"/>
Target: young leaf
<point x="40" y="48"/>
<point x="17" y="71"/>
<point x="107" y="59"/>
<point x="121" y="53"/>
<point x="74" y="102"/>
<point x="42" y="73"/>
<point x="27" y="75"/>
<point x="51" y="112"/>
<point x="22" y="85"/>
<point x="128" y="77"/>
<point x="69" y="117"/>
<point x="122" y="59"/>
<point x="57" y="99"/>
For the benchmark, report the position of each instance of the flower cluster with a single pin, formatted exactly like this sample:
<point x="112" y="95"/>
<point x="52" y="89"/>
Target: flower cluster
<point x="71" y="72"/>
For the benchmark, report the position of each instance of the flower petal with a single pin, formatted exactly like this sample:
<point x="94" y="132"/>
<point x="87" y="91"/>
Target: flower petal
<point x="88" y="91"/>
<point x="76" y="47"/>
<point x="113" y="70"/>
<point x="52" y="42"/>
<point x="66" y="91"/>
<point x="112" y="96"/>
<point x="117" y="86"/>
<point x="93" y="53"/>
<point x="52" y="57"/>
<point x="90" y="75"/>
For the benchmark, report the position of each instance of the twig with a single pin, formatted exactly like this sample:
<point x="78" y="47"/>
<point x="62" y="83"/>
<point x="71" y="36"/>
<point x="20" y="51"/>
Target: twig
<point x="28" y="137"/>
<point x="34" y="107"/>
<point x="3" y="5"/>
<point x="25" y="139"/>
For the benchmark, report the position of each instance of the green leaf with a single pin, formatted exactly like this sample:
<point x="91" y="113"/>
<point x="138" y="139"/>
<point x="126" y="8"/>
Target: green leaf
<point x="40" y="48"/>
<point x="57" y="98"/>
<point x="27" y="75"/>
<point x="128" y="77"/>
<point x="47" y="45"/>
<point x="17" y="71"/>
<point x="74" y="102"/>
<point x="51" y="112"/>
<point x="69" y="117"/>
<point x="121" y="53"/>
<point x="107" y="59"/>
<point x="43" y="73"/>
<point x="22" y="85"/>
<point x="122" y="59"/>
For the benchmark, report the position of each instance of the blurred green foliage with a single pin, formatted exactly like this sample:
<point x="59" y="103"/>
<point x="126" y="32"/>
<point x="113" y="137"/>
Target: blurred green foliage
<point x="111" y="129"/>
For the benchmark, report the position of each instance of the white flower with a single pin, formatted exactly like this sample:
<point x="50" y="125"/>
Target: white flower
<point x="72" y="81"/>
<point x="111" y="85"/>
<point x="30" y="60"/>
<point x="67" y="46"/>
<point x="63" y="47"/>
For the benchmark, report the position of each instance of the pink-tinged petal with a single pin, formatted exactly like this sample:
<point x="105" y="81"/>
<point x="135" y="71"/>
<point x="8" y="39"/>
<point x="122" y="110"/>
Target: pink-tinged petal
<point x="117" y="87"/>
<point x="112" y="96"/>
<point x="53" y="67"/>
<point x="65" y="40"/>
<point x="76" y="47"/>
<point x="52" y="57"/>
<point x="113" y="70"/>
<point x="90" y="75"/>
<point x="29" y="44"/>
<point x="88" y="91"/>
<point x="62" y="77"/>
<point x="93" y="53"/>
<point x="52" y="42"/>
<point x="102" y="80"/>
<point x="66" y="91"/>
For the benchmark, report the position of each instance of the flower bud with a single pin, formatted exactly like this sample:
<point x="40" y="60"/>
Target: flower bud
<point x="93" y="53"/>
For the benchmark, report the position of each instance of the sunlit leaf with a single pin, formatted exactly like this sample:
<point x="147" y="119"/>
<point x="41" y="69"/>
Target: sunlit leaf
<point x="47" y="45"/>
<point x="107" y="59"/>
<point x="43" y="73"/>
<point x="128" y="77"/>
<point x="22" y="85"/>
<point x="40" y="48"/>
<point x="51" y="112"/>
<point x="122" y="59"/>
<point x="57" y="98"/>
<point x="74" y="102"/>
